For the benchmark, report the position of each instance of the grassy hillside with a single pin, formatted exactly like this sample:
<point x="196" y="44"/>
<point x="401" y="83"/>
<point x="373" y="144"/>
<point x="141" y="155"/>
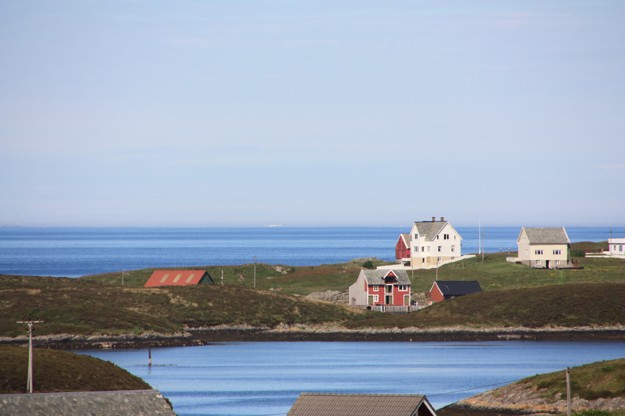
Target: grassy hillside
<point x="284" y="279"/>
<point x="59" y="371"/>
<point x="598" y="383"/>
<point x="82" y="306"/>
<point x="564" y="305"/>
<point x="605" y="379"/>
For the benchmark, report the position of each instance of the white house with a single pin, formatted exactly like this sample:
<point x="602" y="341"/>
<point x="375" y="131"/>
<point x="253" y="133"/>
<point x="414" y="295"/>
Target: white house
<point x="432" y="243"/>
<point x="616" y="246"/>
<point x="546" y="248"/>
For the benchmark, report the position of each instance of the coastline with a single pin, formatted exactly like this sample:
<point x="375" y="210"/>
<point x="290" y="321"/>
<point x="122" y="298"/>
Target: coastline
<point x="206" y="336"/>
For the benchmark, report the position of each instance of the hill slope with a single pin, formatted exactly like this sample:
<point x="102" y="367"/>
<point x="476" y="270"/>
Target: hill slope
<point x="598" y="386"/>
<point x="59" y="371"/>
<point x="583" y="304"/>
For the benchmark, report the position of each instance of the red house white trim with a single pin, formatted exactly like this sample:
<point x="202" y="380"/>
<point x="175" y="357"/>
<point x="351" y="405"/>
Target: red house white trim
<point x="381" y="288"/>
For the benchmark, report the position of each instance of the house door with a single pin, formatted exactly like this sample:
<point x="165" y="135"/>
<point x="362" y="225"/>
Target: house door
<point x="547" y="264"/>
<point x="388" y="299"/>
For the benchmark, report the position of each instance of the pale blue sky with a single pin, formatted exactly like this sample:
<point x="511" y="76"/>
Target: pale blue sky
<point x="230" y="112"/>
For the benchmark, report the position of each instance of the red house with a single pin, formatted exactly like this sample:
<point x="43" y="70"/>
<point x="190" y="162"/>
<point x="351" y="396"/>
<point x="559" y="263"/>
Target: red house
<point x="380" y="287"/>
<point x="178" y="278"/>
<point x="449" y="289"/>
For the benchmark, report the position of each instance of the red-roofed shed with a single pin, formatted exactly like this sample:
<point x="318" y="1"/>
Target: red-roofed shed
<point x="178" y="278"/>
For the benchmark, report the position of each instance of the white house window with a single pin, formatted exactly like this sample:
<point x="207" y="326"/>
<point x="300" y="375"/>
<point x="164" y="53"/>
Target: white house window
<point x="557" y="262"/>
<point x="453" y="248"/>
<point x="440" y="248"/>
<point x="538" y="252"/>
<point x="422" y="260"/>
<point x="445" y="236"/>
<point x="416" y="248"/>
<point x="422" y="249"/>
<point x="557" y="252"/>
<point x="620" y="248"/>
<point x="416" y="236"/>
<point x="538" y="262"/>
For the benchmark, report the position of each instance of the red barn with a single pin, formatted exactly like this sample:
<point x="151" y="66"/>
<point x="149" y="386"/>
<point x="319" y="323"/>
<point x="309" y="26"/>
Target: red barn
<point x="402" y="248"/>
<point x="449" y="289"/>
<point x="380" y="287"/>
<point x="178" y="278"/>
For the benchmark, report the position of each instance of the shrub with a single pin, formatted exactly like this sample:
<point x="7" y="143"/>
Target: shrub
<point x="368" y="265"/>
<point x="593" y="413"/>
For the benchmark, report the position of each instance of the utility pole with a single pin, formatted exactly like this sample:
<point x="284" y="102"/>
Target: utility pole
<point x="29" y="381"/>
<point x="568" y="392"/>
<point x="222" y="277"/>
<point x="254" y="272"/>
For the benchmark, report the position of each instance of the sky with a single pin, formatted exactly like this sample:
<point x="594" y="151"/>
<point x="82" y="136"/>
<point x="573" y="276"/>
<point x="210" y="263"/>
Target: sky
<point x="312" y="113"/>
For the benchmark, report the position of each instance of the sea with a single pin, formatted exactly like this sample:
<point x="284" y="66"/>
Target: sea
<point x="74" y="252"/>
<point x="265" y="378"/>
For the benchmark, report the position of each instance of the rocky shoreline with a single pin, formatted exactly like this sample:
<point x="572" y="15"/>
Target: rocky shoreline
<point x="208" y="335"/>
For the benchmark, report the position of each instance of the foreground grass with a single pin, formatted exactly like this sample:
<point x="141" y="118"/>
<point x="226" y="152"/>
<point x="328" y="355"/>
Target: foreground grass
<point x="605" y="379"/>
<point x="59" y="371"/>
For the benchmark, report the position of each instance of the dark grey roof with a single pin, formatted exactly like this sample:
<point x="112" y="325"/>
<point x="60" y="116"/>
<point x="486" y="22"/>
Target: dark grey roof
<point x="452" y="288"/>
<point x="93" y="403"/>
<point x="376" y="277"/>
<point x="316" y="404"/>
<point x="546" y="235"/>
<point x="430" y="229"/>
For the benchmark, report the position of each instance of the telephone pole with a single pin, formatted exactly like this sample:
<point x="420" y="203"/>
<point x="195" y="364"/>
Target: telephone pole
<point x="254" y="272"/>
<point x="29" y="381"/>
<point x="568" y="392"/>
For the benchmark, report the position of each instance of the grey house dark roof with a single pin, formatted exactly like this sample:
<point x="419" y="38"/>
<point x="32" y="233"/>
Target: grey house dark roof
<point x="546" y="235"/>
<point x="317" y="404"/>
<point x="453" y="288"/>
<point x="376" y="277"/>
<point x="93" y="403"/>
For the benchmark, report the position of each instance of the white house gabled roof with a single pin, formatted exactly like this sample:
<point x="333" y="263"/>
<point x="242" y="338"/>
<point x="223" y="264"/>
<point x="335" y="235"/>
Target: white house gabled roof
<point x="553" y="235"/>
<point x="430" y="229"/>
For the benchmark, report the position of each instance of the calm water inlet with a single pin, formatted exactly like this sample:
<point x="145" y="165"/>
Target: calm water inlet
<point x="265" y="378"/>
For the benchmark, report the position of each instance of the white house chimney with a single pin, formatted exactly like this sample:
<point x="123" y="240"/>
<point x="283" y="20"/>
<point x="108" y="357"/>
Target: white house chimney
<point x="433" y="219"/>
<point x="442" y="219"/>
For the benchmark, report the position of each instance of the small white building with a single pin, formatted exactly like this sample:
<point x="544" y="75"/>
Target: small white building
<point x="543" y="248"/>
<point x="616" y="247"/>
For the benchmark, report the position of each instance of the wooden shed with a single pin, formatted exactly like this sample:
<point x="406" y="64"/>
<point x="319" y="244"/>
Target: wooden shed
<point x="449" y="289"/>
